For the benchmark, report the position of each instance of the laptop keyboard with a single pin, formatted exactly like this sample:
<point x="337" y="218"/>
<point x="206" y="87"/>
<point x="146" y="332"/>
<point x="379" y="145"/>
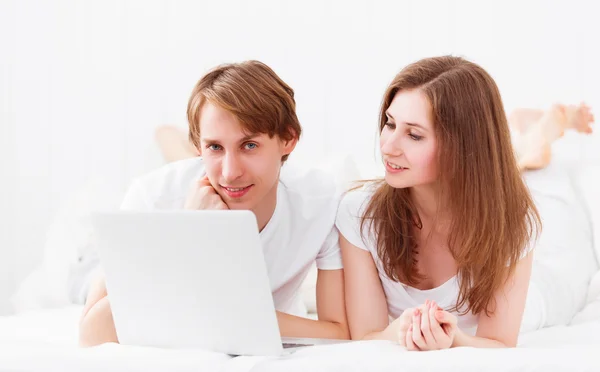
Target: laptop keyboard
<point x="287" y="345"/>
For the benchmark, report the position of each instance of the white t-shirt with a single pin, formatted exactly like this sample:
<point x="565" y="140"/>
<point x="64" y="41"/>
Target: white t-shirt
<point x="300" y="232"/>
<point x="399" y="296"/>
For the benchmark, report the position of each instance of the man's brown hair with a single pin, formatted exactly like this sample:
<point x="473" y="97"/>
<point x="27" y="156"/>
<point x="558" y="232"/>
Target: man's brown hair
<point x="254" y="94"/>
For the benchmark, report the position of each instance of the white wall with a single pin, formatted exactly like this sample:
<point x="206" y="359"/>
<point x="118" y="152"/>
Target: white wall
<point x="84" y="83"/>
<point x="7" y="163"/>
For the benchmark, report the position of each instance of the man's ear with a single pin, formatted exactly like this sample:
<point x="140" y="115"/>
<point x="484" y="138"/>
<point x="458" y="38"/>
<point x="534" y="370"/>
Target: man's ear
<point x="197" y="150"/>
<point x="289" y="145"/>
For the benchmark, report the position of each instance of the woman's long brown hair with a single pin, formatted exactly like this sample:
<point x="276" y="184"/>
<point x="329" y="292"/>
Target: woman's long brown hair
<point x="492" y="214"/>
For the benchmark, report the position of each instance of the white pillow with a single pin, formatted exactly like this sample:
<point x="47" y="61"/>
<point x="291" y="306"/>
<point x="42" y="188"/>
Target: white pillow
<point x="591" y="311"/>
<point x="68" y="239"/>
<point x="587" y="182"/>
<point x="69" y="249"/>
<point x="581" y="155"/>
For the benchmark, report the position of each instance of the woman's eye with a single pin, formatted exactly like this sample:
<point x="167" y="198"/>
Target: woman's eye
<point x="415" y="137"/>
<point x="390" y="125"/>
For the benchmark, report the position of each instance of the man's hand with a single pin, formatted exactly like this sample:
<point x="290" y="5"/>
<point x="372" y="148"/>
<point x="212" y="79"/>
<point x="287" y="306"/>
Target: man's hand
<point x="203" y="196"/>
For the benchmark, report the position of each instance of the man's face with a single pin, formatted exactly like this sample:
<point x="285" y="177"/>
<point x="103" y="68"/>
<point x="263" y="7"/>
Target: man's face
<point x="243" y="168"/>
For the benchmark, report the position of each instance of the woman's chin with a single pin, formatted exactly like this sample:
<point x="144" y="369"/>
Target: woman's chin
<point x="395" y="182"/>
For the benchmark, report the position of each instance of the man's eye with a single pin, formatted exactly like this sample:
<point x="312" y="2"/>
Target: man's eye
<point x="250" y="146"/>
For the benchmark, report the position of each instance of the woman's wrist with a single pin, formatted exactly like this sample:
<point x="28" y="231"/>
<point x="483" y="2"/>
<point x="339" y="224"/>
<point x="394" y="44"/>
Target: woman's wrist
<point x="459" y="338"/>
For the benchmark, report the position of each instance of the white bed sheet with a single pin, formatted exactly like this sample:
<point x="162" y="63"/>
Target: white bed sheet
<point x="47" y="341"/>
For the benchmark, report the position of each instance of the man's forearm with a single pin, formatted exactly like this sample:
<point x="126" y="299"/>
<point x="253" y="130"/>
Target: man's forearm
<point x="295" y="326"/>
<point x="97" y="325"/>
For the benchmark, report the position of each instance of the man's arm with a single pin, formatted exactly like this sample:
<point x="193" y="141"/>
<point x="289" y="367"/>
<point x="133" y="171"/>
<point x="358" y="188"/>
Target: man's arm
<point x="97" y="325"/>
<point x="331" y="311"/>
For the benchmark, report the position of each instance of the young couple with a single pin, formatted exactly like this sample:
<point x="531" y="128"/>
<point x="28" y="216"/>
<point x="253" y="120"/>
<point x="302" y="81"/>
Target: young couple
<point x="435" y="255"/>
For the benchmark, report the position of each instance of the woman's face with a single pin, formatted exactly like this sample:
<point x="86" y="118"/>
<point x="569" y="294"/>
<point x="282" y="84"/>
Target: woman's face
<point x="408" y="143"/>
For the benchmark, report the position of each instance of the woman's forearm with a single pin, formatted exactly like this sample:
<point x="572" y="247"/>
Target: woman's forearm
<point x="386" y="334"/>
<point x="463" y="339"/>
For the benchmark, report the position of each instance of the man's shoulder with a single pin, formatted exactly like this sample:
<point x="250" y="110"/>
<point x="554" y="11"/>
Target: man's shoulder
<point x="172" y="181"/>
<point x="311" y="195"/>
<point x="308" y="183"/>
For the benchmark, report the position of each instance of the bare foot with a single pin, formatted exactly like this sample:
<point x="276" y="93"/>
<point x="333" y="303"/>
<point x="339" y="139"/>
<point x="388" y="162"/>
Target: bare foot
<point x="552" y="124"/>
<point x="536" y="152"/>
<point x="521" y="119"/>
<point x="533" y="138"/>
<point x="580" y="118"/>
<point x="174" y="143"/>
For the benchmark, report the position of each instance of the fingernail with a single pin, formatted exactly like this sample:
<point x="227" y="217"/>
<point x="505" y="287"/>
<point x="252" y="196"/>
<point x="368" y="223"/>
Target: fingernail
<point x="426" y="302"/>
<point x="433" y="304"/>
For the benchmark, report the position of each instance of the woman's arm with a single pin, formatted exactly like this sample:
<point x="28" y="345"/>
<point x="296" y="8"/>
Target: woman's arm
<point x="501" y="329"/>
<point x="366" y="305"/>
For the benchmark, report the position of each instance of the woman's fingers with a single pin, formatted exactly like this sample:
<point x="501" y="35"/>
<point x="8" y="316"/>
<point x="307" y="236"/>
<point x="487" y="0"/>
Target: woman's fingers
<point x="417" y="336"/>
<point x="436" y="328"/>
<point x="426" y="326"/>
<point x="410" y="344"/>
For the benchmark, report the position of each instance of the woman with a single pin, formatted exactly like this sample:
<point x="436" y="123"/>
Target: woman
<point x="442" y="244"/>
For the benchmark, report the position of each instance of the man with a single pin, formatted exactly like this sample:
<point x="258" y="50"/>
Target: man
<point x="243" y="124"/>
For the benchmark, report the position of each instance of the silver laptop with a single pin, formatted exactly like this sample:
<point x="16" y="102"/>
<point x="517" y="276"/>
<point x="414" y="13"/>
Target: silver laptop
<point x="190" y="279"/>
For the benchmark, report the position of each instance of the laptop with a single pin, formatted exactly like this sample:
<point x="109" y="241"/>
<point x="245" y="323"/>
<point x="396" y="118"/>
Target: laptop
<point x="190" y="279"/>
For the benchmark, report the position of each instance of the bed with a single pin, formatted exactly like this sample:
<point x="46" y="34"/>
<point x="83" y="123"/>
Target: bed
<point x="44" y="337"/>
<point x="47" y="340"/>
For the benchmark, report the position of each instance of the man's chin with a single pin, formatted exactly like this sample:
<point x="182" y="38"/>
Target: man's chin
<point x="237" y="205"/>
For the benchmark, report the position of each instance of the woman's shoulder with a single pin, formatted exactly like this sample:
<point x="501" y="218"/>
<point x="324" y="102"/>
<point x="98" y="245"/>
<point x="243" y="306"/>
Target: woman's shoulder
<point x="354" y="202"/>
<point x="351" y="214"/>
<point x="359" y="195"/>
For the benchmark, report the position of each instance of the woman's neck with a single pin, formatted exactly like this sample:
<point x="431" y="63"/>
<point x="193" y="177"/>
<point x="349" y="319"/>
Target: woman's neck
<point x="433" y="215"/>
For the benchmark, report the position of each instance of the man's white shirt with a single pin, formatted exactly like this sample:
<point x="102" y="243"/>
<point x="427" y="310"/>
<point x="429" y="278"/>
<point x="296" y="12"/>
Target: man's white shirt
<point x="300" y="232"/>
